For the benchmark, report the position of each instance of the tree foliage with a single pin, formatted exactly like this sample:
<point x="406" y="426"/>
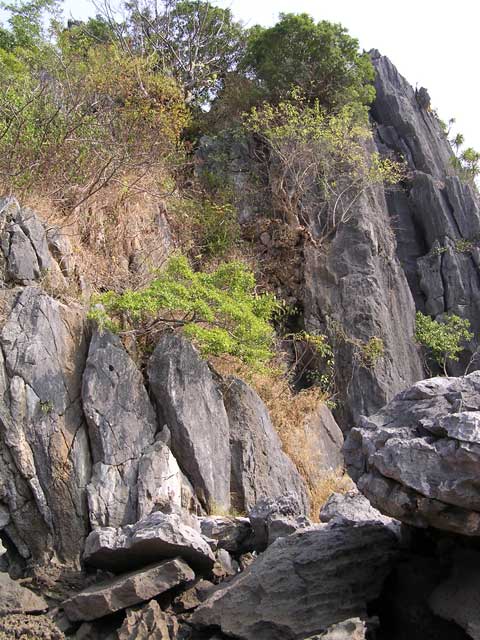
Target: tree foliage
<point x="320" y="58"/>
<point x="443" y="339"/>
<point x="220" y="310"/>
<point x="317" y="161"/>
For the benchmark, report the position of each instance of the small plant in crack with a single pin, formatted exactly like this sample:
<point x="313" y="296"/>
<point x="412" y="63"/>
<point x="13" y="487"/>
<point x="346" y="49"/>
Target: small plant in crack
<point x="46" y="407"/>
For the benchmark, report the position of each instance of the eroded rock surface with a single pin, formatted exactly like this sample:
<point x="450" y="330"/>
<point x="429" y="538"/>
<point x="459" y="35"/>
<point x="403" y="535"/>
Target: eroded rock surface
<point x="190" y="403"/>
<point x="17" y="599"/>
<point x="303" y="584"/>
<point x="418" y="459"/>
<point x="154" y="537"/>
<point x="127" y="590"/>
<point x="44" y="451"/>
<point x="260" y="468"/>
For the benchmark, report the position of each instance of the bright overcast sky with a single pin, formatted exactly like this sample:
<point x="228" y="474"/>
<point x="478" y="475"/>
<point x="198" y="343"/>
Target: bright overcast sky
<point x="434" y="43"/>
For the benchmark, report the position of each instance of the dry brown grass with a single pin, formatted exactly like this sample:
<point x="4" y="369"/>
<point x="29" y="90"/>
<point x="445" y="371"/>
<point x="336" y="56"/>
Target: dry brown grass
<point x="289" y="412"/>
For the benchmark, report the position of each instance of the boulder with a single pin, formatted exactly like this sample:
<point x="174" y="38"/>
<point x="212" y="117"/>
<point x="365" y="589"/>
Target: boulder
<point x="259" y="466"/>
<point x="194" y="596"/>
<point x="303" y="584"/>
<point x="458" y="598"/>
<point x="45" y="460"/>
<point x="418" y="459"/>
<point x="129" y="589"/>
<point x="272" y="518"/>
<point x="17" y="599"/>
<point x="156" y="536"/>
<point x="353" y="629"/>
<point x="191" y="404"/>
<point x="232" y="534"/>
<point x="148" y="623"/>
<point x="352" y="507"/>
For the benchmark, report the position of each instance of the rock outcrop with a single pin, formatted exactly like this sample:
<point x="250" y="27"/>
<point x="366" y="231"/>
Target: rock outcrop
<point x="127" y="590"/>
<point x="154" y="537"/>
<point x="259" y="466"/>
<point x="191" y="405"/>
<point x="435" y="216"/>
<point x="303" y="584"/>
<point x="418" y="459"/>
<point x="45" y="458"/>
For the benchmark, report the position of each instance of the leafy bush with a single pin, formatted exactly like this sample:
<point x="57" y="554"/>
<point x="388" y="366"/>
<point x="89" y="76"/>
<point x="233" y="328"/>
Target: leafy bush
<point x="317" y="161"/>
<point x="220" y="310"/>
<point x="320" y="58"/>
<point x="442" y="339"/>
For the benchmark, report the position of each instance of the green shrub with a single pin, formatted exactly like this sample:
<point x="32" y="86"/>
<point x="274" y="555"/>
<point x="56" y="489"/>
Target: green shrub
<point x="442" y="339"/>
<point x="220" y="311"/>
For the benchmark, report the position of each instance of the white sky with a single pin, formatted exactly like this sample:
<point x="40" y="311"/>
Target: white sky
<point x="435" y="43"/>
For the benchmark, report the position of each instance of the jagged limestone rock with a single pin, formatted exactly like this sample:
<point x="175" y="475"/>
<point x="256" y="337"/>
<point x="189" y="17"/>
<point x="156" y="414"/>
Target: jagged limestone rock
<point x="232" y="534"/>
<point x="33" y="627"/>
<point x="156" y="536"/>
<point x="418" y="459"/>
<point x="191" y="405"/>
<point x="127" y="590"/>
<point x="352" y="507"/>
<point x="435" y="216"/>
<point x="44" y="451"/>
<point x="260" y="468"/>
<point x="132" y="474"/>
<point x="303" y="584"/>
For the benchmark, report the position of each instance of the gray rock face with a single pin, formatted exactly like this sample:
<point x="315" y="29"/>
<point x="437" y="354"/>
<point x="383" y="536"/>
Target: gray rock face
<point x="435" y="216"/>
<point x="457" y="598"/>
<point x="418" y="459"/>
<point x="17" y="599"/>
<point x="45" y="459"/>
<point x="232" y="534"/>
<point x="351" y="507"/>
<point x="272" y="518"/>
<point x="131" y="472"/>
<point x="127" y="590"/>
<point x="325" y="440"/>
<point x="190" y="403"/>
<point x="303" y="584"/>
<point x="154" y="537"/>
<point x="355" y="290"/>
<point x="259" y="466"/>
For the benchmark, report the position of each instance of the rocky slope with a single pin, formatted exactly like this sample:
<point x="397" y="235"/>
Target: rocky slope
<point x="118" y="484"/>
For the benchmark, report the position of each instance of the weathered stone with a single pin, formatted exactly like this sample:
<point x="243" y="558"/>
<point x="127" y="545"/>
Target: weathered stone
<point x="191" y="598"/>
<point x="122" y="424"/>
<point x="28" y="628"/>
<point x="259" y="466"/>
<point x="435" y="216"/>
<point x="356" y="290"/>
<point x="352" y="507"/>
<point x="225" y="566"/>
<point x="17" y="599"/>
<point x="457" y="598"/>
<point x="148" y="623"/>
<point x="303" y="584"/>
<point x="232" y="534"/>
<point x="127" y="590"/>
<point x="418" y="459"/>
<point x="190" y="403"/>
<point x="44" y="450"/>
<point x="272" y="518"/>
<point x="324" y="439"/>
<point x="156" y="536"/>
<point x="353" y="629"/>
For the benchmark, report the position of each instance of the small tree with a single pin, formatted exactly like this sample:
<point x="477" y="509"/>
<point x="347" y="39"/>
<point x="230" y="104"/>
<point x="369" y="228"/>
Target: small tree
<point x="320" y="58"/>
<point x="316" y="162"/>
<point x="443" y="339"/>
<point x="220" y="310"/>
